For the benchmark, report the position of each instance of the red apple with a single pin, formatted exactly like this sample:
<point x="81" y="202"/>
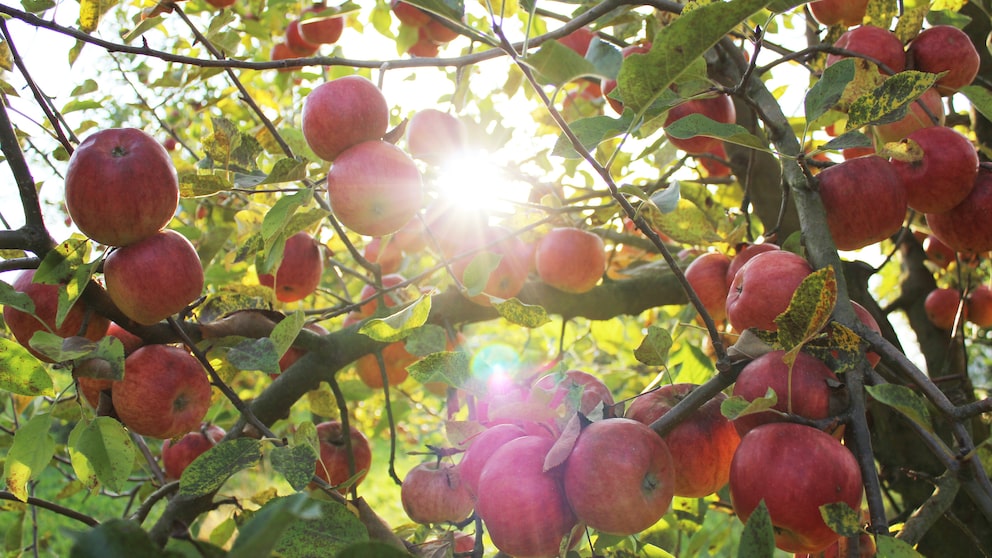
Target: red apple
<point x="387" y="253"/>
<point x="438" y="32"/>
<point x="424" y="47"/>
<point x="392" y="298"/>
<point x="481" y="448"/>
<point x="293" y="354"/>
<point x="396" y="359"/>
<point x="165" y="392"/>
<point x="510" y="274"/>
<point x="702" y="445"/>
<point x="941" y="307"/>
<point x="324" y="28"/>
<point x="46" y="303"/>
<point x="938" y="252"/>
<point x="805" y="391"/>
<point x="89" y="387"/>
<point x="855" y="152"/>
<point x="944" y="175"/>
<point x="155" y="278"/>
<point x="121" y="186"/>
<point x="713" y="162"/>
<point x="296" y="42"/>
<point x="177" y="456"/>
<point x="864" y="199"/>
<point x="453" y="227"/>
<point x="570" y="259"/>
<point x="866" y="318"/>
<point x="433" y="492"/>
<point x="410" y="14"/>
<point x="980" y="306"/>
<point x="332" y="466"/>
<point x="593" y="393"/>
<point x="772" y="464"/>
<point x="945" y="48"/>
<point x="221" y="3"/>
<point x="707" y="274"/>
<point x="763" y="288"/>
<point x="924" y="112"/>
<point x="433" y="136"/>
<point x="281" y="51"/>
<point x="374" y="188"/>
<point x="341" y="113"/>
<point x="578" y="40"/>
<point x="130" y="341"/>
<point x="833" y="12"/>
<point x="523" y="506"/>
<point x="718" y="107"/>
<point x="608" y="85"/>
<point x="744" y="253"/>
<point x="299" y="271"/>
<point x="619" y="478"/>
<point x="966" y="227"/>
<point x="874" y="42"/>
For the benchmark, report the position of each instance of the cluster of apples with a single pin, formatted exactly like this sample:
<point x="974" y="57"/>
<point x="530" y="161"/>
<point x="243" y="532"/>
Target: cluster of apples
<point x="942" y="303"/>
<point x="318" y="25"/>
<point x="432" y="32"/>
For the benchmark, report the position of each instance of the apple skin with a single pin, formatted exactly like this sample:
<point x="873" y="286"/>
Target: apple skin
<point x="395" y="357"/>
<point x="938" y="252"/>
<point x="321" y="30"/>
<point x="941" y="307"/>
<point x="570" y="260"/>
<point x="966" y="227"/>
<point x="880" y="44"/>
<point x="775" y="463"/>
<point x="296" y="42"/>
<point x="438" y="32"/>
<point x="130" y="341"/>
<point x="809" y="386"/>
<point x="944" y="176"/>
<point x="510" y="274"/>
<point x="341" y="113"/>
<point x="578" y="40"/>
<point x="155" y="278"/>
<point x="332" y="465"/>
<point x="762" y="289"/>
<point x="433" y="136"/>
<point x="864" y="199"/>
<point x="918" y="116"/>
<point x="165" y="392"/>
<point x="702" y="445"/>
<point x="719" y="108"/>
<point x="481" y="448"/>
<point x="832" y="12"/>
<point x="744" y="253"/>
<point x="433" y="492"/>
<point x="281" y="51"/>
<point x="374" y="188"/>
<point x="299" y="272"/>
<point x="100" y="186"/>
<point x="46" y="303"/>
<point x="424" y="47"/>
<point x="980" y="306"/>
<point x="620" y="477"/>
<point x="707" y="275"/>
<point x="410" y="14"/>
<point x="523" y="506"/>
<point x="945" y="48"/>
<point x="177" y="456"/>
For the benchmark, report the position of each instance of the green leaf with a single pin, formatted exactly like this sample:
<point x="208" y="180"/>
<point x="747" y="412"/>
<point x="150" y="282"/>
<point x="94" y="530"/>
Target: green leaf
<point x="904" y="400"/>
<point x="285" y="332"/>
<point x="980" y="97"/>
<point x="296" y="463"/>
<point x="195" y="184"/>
<point x="21" y="372"/>
<point x="736" y="406"/>
<point x="29" y="454"/>
<point x="230" y="147"/>
<point x="688" y="223"/>
<point x="477" y="272"/>
<point x="115" y="538"/>
<point x="102" y="450"/>
<point x="526" y="315"/>
<point x="255" y="354"/>
<point x="889" y="100"/>
<point x="400" y="324"/>
<point x="605" y="57"/>
<point x="257" y="538"/>
<point x="278" y="216"/>
<point x="90" y="12"/>
<point x="809" y="311"/>
<point x="37" y="6"/>
<point x="208" y="472"/>
<point x="450" y="367"/>
<point x="697" y="124"/>
<point x="890" y="547"/>
<point x="60" y="263"/>
<point x="667" y="199"/>
<point x="372" y="549"/>
<point x="448" y="9"/>
<point x="427" y="339"/>
<point x="335" y="528"/>
<point x="591" y="132"/>
<point x="286" y="170"/>
<point x="854" y="138"/>
<point x="558" y="64"/>
<point x="10" y="298"/>
<point x="654" y="348"/>
<point x="758" y="537"/>
<point x="842" y="518"/>
<point x="825" y="94"/>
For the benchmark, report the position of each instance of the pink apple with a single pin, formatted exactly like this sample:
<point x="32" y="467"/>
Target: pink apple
<point x="433" y="136"/>
<point x="593" y="392"/>
<point x="744" y="253"/>
<point x="570" y="259"/>
<point x="481" y="448"/>
<point x="945" y="48"/>
<point x="341" y="113"/>
<point x="433" y="492"/>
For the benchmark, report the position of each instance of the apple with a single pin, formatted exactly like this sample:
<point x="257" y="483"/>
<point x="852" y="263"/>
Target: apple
<point x="855" y="152"/>
<point x="438" y="32"/>
<point x="324" y="28"/>
<point x="424" y="47"/>
<point x="570" y="259"/>
<point x="165" y="392"/>
<point x="744" y="253"/>
<point x="90" y="387"/>
<point x="762" y="289"/>
<point x="578" y="40"/>
<point x="619" y="477"/>
<point x="924" y="112"/>
<point x="341" y="113"/>
<point x="221" y="3"/>
<point x="718" y="107"/>
<point x="121" y="186"/>
<point x="374" y="188"/>
<point x="938" y="252"/>
<point x="966" y="227"/>
<point x="453" y="227"/>
<point x="178" y="455"/>
<point x="433" y="492"/>
<point x="481" y="448"/>
<point x="713" y="162"/>
<point x="874" y="42"/>
<point x="296" y="42"/>
<point x="707" y="275"/>
<point x="941" y="307"/>
<point x="773" y="463"/>
<point x="332" y="465"/>
<point x="842" y="549"/>
<point x="945" y="48"/>
<point x="395" y="357"/>
<point x="409" y="14"/>
<point x="433" y="136"/>
<point x="702" y="445"/>
<point x="834" y="12"/>
<point x="281" y="51"/>
<point x="294" y="354"/>
<point x="299" y="271"/>
<point x="944" y="175"/>
<point x="130" y="341"/>
<point x="864" y="199"/>
<point x="522" y="505"/>
<point x="385" y="252"/>
<point x="980" y="306"/>
<point x="592" y="392"/>
<point x="805" y="391"/>
<point x="78" y="321"/>
<point x="154" y="278"/>
<point x="866" y="318"/>
<point x="509" y="275"/>
<point x="392" y="298"/>
<point x="609" y="84"/>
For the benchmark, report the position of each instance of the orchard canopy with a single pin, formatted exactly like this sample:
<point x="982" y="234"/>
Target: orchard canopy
<point x="256" y="226"/>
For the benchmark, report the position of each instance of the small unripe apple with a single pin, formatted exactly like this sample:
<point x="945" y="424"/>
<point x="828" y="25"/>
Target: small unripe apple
<point x="341" y="113"/>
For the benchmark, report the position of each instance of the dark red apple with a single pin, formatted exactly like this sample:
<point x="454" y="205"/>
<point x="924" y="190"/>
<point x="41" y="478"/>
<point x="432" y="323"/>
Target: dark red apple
<point x="763" y="288"/>
<point x="570" y="259"/>
<point x="865" y="201"/>
<point x="941" y="307"/>
<point x="707" y="274"/>
<point x="945" y="48"/>
<point x="323" y="28"/>
<point x="433" y="492"/>
<point x="332" y="465"/>
<point x="944" y="175"/>
<point x="744" y="253"/>
<point x="966" y="227"/>
<point x="980" y="306"/>
<point x="177" y="456"/>
<point x="938" y="252"/>
<point x="874" y="42"/>
<point x="341" y="113"/>
<point x="299" y="271"/>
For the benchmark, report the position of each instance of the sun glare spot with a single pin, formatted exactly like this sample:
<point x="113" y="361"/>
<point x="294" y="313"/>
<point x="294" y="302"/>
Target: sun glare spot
<point x="473" y="180"/>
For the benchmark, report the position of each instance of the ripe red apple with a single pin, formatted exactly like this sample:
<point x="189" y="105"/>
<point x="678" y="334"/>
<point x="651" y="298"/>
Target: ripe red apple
<point x="702" y="445"/>
<point x="433" y="492"/>
<point x="374" y="188"/>
<point x="744" y="253"/>
<point x="763" y="288"/>
<point x="619" y="478"/>
<point x="281" y="51"/>
<point x="154" y="278"/>
<point x="453" y="227"/>
<point x="177" y="456"/>
<point x="924" y="112"/>
<point x="341" y="113"/>
<point x="523" y="506"/>
<point x="771" y="464"/>
<point x="941" y="307"/>
<point x="833" y="12"/>
<point x="324" y="28"/>
<point x="332" y="466"/>
<point x="945" y="48"/>
<point x="46" y="303"/>
<point x="874" y="42"/>
<point x="712" y="162"/>
<point x="130" y="341"/>
<point x="966" y="227"/>
<point x="570" y="259"/>
<point x="707" y="274"/>
<point x="866" y="318"/>
<point x="980" y="306"/>
<point x="718" y="107"/>
<point x="805" y="391"/>
<point x="299" y="272"/>
<point x="481" y="448"/>
<point x="433" y="136"/>
<point x="165" y="392"/>
<point x="608" y="85"/>
<point x="90" y="387"/>
<point x="396" y="359"/>
<point x="102" y="193"/>
<point x="510" y="274"/>
<point x="594" y="392"/>
<point x="438" y="32"/>
<point x="392" y="298"/>
<point x="578" y="40"/>
<point x="410" y="14"/>
<point x="864" y="199"/>
<point x="424" y="47"/>
<point x="938" y="252"/>
<point x="945" y="174"/>
<point x="296" y="42"/>
<point x="294" y="354"/>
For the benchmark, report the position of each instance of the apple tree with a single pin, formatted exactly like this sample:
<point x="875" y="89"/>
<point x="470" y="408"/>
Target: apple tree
<point x="445" y="278"/>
